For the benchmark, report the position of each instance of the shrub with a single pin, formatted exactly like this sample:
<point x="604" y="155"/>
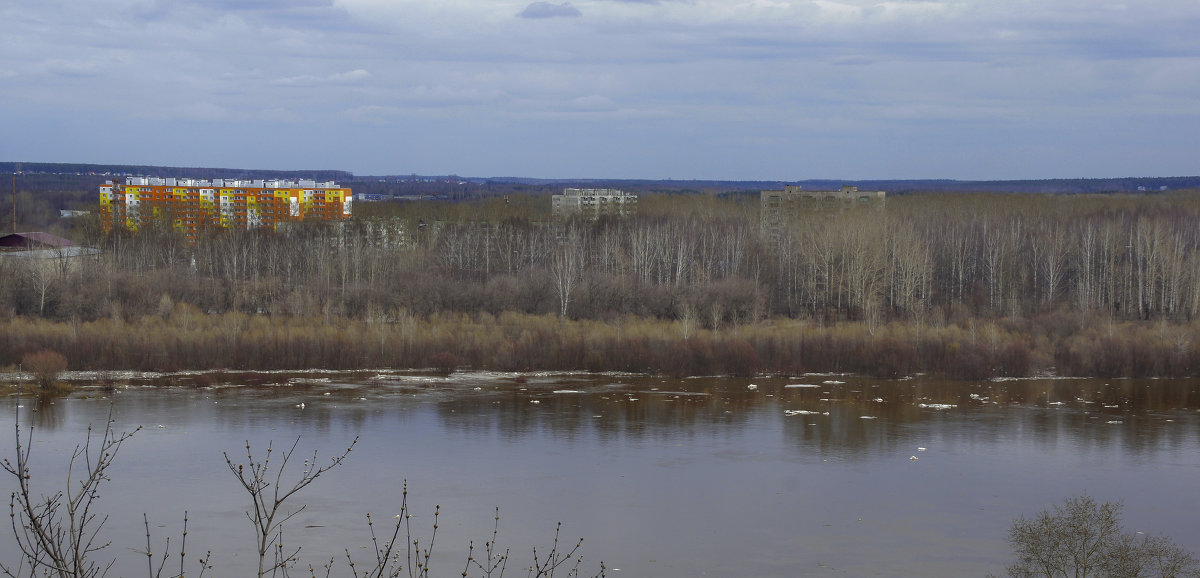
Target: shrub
<point x="739" y="358"/>
<point x="1015" y="360"/>
<point x="45" y="365"/>
<point x="444" y="362"/>
<point x="969" y="361"/>
<point x="1082" y="538"/>
<point x="890" y="358"/>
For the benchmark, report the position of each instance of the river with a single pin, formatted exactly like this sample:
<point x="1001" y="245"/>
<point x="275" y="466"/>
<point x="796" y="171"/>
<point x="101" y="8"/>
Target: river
<point x="818" y="475"/>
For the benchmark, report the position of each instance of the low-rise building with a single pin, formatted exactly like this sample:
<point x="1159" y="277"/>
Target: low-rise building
<point x="44" y="252"/>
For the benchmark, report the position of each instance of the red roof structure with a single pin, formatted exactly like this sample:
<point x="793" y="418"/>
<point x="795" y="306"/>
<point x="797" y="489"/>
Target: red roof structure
<point x="34" y="240"/>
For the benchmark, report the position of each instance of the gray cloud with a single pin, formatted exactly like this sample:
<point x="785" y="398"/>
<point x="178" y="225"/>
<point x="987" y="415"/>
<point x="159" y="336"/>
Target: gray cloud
<point x="352" y="77"/>
<point x="684" y="88"/>
<point x="72" y="68"/>
<point x="548" y="10"/>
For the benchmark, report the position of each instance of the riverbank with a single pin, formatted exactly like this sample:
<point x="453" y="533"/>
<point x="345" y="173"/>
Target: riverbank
<point x="186" y="339"/>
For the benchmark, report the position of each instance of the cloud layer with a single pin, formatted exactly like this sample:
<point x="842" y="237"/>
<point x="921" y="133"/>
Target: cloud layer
<point x="770" y="89"/>
<point x="548" y="10"/>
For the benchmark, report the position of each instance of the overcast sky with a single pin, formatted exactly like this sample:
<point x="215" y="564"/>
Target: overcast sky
<point x="689" y="89"/>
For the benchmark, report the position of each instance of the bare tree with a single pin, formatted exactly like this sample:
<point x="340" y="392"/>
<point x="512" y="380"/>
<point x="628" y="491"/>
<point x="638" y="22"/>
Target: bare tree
<point x="388" y="560"/>
<point x="1053" y="256"/>
<point x="263" y="481"/>
<point x="1081" y="538"/>
<point x="567" y="268"/>
<point x="59" y="534"/>
<point x="43" y="276"/>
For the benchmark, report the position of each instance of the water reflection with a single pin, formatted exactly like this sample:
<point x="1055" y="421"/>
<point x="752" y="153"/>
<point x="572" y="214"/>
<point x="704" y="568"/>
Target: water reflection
<point x="45" y="412"/>
<point x="847" y="417"/>
<point x="830" y="415"/>
<point x="668" y="477"/>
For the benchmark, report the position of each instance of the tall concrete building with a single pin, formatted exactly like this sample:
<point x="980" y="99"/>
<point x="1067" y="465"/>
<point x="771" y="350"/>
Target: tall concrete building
<point x="777" y="206"/>
<point x="192" y="205"/>
<point x="592" y="203"/>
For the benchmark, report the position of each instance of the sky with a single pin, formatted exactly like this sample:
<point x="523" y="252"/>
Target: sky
<point x="639" y="89"/>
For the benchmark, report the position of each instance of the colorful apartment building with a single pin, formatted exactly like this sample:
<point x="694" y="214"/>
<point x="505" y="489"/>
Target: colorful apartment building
<point x="194" y="205"/>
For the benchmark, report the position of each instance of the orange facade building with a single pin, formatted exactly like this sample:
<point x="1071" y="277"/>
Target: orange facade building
<point x="195" y="205"/>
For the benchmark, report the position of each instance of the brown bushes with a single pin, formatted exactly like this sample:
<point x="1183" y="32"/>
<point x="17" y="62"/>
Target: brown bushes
<point x="188" y="339"/>
<point x="1014" y="361"/>
<point x="968" y="286"/>
<point x="45" y="365"/>
<point x="891" y="357"/>
<point x="444" y="362"/>
<point x="968" y="361"/>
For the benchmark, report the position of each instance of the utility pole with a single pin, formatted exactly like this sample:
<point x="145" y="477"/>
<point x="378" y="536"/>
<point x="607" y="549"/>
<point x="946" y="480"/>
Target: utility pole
<point x="16" y="170"/>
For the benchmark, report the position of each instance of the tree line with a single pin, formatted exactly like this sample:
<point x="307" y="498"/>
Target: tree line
<point x="990" y="284"/>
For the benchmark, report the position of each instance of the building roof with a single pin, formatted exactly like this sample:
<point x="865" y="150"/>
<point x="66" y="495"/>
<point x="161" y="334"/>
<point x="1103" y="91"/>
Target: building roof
<point x="34" y="240"/>
<point x="55" y="253"/>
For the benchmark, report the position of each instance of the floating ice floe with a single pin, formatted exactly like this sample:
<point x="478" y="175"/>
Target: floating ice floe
<point x="832" y="382"/>
<point x="798" y="385"/>
<point x="535" y="401"/>
<point x="920" y="449"/>
<point x="751" y="387"/>
<point x="936" y="405"/>
<point x="1114" y="421"/>
<point x="913" y="458"/>
<point x="790" y="412"/>
<point x="878" y="400"/>
<point x="567" y="391"/>
<point x="1058" y="403"/>
<point x="867" y="417"/>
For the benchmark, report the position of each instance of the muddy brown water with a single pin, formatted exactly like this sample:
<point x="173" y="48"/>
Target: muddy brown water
<point x="807" y="476"/>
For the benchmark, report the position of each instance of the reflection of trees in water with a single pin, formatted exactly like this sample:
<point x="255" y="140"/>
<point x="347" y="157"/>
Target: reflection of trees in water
<point x="1045" y="412"/>
<point x="1136" y="395"/>
<point x="45" y="412"/>
<point x="1089" y="415"/>
<point x="609" y="414"/>
<point x="865" y="416"/>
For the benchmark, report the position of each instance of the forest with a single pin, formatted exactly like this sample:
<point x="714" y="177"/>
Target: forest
<point x="968" y="285"/>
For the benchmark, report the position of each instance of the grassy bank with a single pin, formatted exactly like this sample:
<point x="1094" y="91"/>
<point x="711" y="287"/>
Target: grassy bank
<point x="185" y="338"/>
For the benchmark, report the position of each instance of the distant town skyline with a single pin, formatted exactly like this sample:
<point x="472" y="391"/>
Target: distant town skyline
<point x="621" y="89"/>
